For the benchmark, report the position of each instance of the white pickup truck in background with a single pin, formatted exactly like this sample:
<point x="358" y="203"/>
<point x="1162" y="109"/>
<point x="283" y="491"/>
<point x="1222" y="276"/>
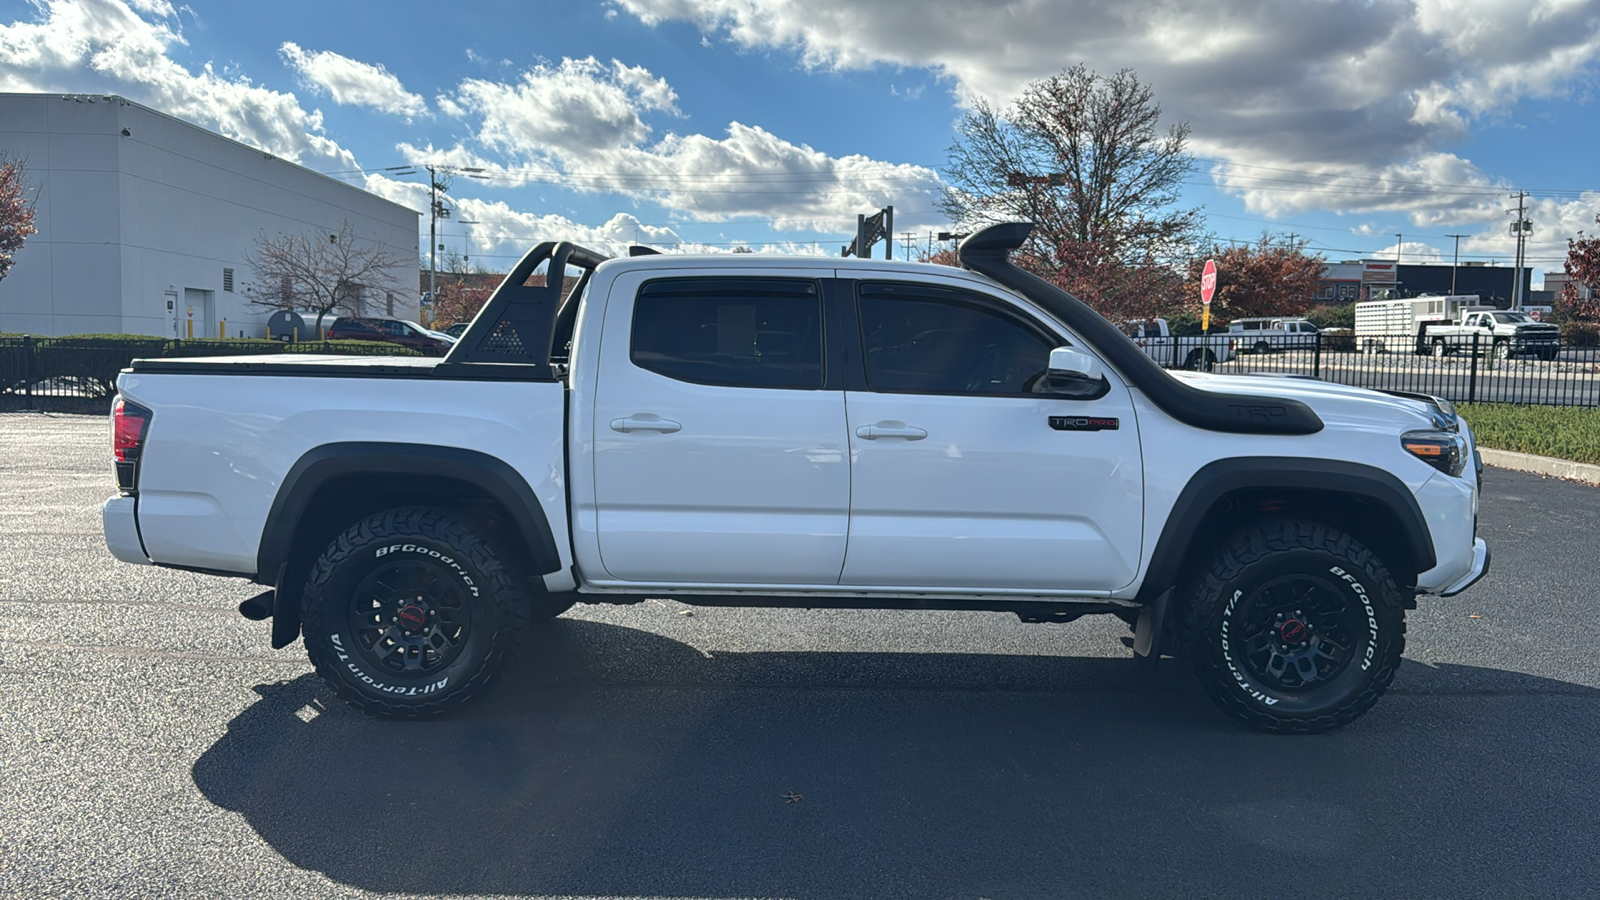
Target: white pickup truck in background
<point x="1504" y="334"/>
<point x="800" y="432"/>
<point x="1195" y="352"/>
<point x="1266" y="335"/>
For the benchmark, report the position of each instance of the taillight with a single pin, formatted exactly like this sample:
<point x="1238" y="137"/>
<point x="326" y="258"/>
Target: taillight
<point x="129" y="422"/>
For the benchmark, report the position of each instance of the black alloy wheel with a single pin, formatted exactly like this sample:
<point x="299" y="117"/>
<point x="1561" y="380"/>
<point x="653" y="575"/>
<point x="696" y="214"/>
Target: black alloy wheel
<point x="410" y="617"/>
<point x="1299" y="632"/>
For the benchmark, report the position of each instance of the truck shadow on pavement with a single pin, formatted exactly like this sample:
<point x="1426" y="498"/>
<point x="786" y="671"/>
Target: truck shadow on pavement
<point x="614" y="761"/>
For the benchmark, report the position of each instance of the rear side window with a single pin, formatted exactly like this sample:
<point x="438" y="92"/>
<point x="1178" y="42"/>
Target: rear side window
<point x="734" y="332"/>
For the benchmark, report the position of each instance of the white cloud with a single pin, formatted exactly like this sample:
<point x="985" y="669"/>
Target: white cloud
<point x="581" y="125"/>
<point x="352" y="82"/>
<point x="105" y="46"/>
<point x="569" y="108"/>
<point x="1369" y="91"/>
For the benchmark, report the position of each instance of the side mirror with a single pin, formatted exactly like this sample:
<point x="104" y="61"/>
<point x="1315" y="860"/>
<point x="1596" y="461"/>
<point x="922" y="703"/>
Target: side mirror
<point x="1076" y="374"/>
<point x="1065" y="362"/>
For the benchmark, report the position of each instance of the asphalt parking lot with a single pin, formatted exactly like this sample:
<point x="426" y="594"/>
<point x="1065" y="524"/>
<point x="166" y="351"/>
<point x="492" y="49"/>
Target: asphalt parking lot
<point x="153" y="745"/>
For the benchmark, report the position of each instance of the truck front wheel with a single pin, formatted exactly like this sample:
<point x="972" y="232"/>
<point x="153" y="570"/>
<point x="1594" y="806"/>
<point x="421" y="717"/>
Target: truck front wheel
<point x="409" y="613"/>
<point x="1294" y="626"/>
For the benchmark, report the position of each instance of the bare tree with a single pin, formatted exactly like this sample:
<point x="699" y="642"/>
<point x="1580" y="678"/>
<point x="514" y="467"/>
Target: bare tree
<point x="320" y="273"/>
<point x="16" y="210"/>
<point x="1080" y="156"/>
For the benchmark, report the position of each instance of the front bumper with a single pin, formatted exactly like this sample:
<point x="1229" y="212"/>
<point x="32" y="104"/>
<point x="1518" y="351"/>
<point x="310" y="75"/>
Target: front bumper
<point x="1480" y="567"/>
<point x="122" y="530"/>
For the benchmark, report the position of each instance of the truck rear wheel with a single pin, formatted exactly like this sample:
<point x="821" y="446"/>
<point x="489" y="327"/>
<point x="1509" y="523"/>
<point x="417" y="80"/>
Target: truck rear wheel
<point x="409" y="613"/>
<point x="1200" y="360"/>
<point x="1440" y="349"/>
<point x="1294" y="626"/>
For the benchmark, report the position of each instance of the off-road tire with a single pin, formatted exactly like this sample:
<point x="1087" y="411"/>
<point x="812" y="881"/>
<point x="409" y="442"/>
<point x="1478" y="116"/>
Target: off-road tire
<point x="1501" y="350"/>
<point x="1228" y="590"/>
<point x="457" y="565"/>
<point x="1200" y="360"/>
<point x="1440" y="348"/>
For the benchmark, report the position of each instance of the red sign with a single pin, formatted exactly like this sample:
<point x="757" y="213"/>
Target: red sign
<point x="1208" y="282"/>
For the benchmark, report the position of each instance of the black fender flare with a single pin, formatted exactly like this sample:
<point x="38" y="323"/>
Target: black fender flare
<point x="328" y="462"/>
<point x="1217" y="479"/>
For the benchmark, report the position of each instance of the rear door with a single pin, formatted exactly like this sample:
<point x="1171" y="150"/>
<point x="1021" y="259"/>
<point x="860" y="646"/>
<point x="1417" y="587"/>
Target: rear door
<point x="718" y="448"/>
<point x="967" y="476"/>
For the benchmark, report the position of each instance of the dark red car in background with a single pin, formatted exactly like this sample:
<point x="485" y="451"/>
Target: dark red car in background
<point x="395" y="331"/>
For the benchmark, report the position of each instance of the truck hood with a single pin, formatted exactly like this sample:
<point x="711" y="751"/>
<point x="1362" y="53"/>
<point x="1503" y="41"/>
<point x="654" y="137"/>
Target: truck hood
<point x="1335" y="404"/>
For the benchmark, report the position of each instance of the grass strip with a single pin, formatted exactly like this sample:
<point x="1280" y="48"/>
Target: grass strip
<point x="1563" y="432"/>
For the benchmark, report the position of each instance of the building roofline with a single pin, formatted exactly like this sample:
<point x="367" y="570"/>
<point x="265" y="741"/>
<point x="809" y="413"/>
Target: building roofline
<point x="124" y="101"/>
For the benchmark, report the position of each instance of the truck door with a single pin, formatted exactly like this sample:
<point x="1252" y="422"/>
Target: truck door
<point x="718" y="449"/>
<point x="964" y="475"/>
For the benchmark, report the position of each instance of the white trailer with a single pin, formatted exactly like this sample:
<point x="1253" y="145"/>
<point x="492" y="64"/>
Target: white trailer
<point x="1396" y="325"/>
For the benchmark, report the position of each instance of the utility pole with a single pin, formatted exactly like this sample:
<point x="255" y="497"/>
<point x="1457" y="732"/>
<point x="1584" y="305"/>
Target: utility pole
<point x="1399" y="241"/>
<point x="906" y="239"/>
<point x="1455" y="260"/>
<point x="1521" y="227"/>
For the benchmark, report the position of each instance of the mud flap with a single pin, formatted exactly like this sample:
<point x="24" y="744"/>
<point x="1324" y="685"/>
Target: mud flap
<point x="1147" y="633"/>
<point x="285" y="612"/>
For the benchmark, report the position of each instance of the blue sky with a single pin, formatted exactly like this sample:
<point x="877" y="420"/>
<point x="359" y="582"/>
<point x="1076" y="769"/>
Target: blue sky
<point x="712" y="123"/>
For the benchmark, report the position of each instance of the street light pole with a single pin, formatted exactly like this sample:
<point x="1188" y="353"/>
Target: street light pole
<point x="1455" y="261"/>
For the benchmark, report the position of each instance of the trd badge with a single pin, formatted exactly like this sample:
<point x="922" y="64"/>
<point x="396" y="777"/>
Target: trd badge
<point x="1082" y="423"/>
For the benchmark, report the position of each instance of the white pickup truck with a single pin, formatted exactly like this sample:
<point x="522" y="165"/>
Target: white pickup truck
<point x="1195" y="352"/>
<point x="800" y="432"/>
<point x="1502" y="333"/>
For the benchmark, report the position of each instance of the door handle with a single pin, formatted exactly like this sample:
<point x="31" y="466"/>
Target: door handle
<point x="891" y="429"/>
<point x="645" y="422"/>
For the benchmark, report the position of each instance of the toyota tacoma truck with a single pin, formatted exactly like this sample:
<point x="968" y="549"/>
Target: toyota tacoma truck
<point x="800" y="432"/>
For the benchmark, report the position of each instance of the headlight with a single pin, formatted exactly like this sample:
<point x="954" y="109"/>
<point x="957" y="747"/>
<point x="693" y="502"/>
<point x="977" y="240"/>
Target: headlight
<point x="1444" y="450"/>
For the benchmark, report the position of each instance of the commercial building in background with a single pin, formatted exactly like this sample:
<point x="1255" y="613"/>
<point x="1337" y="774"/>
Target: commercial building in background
<point x="145" y="222"/>
<point x="1369" y="279"/>
<point x="1556" y="282"/>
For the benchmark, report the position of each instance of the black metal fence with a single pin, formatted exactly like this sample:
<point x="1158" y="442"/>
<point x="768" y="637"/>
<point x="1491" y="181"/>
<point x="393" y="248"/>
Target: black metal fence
<point x="80" y="374"/>
<point x="1472" y="369"/>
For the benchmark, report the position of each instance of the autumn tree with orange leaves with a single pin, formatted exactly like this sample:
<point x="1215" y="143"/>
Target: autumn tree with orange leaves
<point x="16" y="210"/>
<point x="1272" y="277"/>
<point x="1583" y="272"/>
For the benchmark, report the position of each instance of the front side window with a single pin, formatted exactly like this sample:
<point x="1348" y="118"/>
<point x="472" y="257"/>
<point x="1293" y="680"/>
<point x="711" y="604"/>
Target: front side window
<point x="937" y="344"/>
<point x="735" y="332"/>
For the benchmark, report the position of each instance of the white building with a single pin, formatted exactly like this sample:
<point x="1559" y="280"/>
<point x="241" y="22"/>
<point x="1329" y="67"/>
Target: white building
<point x="145" y="222"/>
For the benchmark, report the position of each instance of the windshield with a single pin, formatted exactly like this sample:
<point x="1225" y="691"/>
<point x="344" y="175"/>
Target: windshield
<point x="1511" y="318"/>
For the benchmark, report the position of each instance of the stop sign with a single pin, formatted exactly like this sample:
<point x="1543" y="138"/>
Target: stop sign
<point x="1208" y="282"/>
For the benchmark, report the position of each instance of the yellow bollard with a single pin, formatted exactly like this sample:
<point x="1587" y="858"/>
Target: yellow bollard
<point x="222" y="328"/>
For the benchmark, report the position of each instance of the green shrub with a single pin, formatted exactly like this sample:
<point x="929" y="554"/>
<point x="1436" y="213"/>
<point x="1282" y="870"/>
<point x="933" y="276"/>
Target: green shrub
<point x="1333" y="316"/>
<point x="1564" y="432"/>
<point x="1581" y="334"/>
<point x="351" y="348"/>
